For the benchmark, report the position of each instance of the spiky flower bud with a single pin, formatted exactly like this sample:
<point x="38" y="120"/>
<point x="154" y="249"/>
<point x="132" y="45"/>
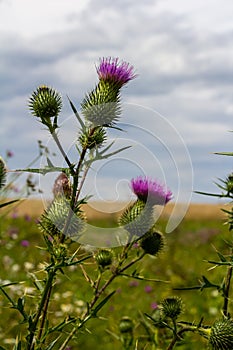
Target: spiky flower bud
<point x="137" y="219"/>
<point x="60" y="252"/>
<point x="230" y="184"/>
<point x="54" y="220"/>
<point x="102" y="105"/>
<point x="126" y="325"/>
<point x="221" y="335"/>
<point x="45" y="103"/>
<point x="62" y="186"/>
<point x="2" y="173"/>
<point x="90" y="140"/>
<point x="104" y="258"/>
<point x="172" y="307"/>
<point x="152" y="242"/>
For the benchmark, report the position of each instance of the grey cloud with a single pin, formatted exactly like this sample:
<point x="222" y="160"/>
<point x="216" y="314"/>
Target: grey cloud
<point x="174" y="61"/>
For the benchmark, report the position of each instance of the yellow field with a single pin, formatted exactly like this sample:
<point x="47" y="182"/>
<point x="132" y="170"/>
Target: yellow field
<point x="95" y="210"/>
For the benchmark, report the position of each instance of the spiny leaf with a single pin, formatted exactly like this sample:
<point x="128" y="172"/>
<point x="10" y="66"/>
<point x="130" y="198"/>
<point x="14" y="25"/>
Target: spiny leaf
<point x="211" y="194"/>
<point x="8" y="203"/>
<point x="42" y="171"/>
<point x="17" y="345"/>
<point x="113" y="153"/>
<point x="102" y="303"/>
<point x="50" y="164"/>
<point x="77" y="114"/>
<point x="224" y="153"/>
<point x="51" y="345"/>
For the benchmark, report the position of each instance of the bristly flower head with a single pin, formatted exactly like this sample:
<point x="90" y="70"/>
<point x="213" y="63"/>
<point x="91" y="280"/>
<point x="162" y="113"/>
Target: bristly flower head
<point x="112" y="70"/>
<point x="150" y="190"/>
<point x="101" y="107"/>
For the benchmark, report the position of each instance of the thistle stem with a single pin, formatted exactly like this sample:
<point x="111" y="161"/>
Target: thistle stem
<point x="56" y="139"/>
<point x="227" y="291"/>
<point x="46" y="293"/>
<point x="98" y="293"/>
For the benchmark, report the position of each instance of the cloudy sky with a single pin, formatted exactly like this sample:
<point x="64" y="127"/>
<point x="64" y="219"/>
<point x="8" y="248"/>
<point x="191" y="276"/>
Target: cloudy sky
<point x="176" y="113"/>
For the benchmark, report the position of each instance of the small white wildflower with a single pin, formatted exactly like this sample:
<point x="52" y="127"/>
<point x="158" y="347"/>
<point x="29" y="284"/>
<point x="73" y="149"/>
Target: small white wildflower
<point x="67" y="308"/>
<point x="56" y="296"/>
<point x="213" y="311"/>
<point x="67" y="294"/>
<point x="28" y="265"/>
<point x="15" y="268"/>
<point x="215" y="293"/>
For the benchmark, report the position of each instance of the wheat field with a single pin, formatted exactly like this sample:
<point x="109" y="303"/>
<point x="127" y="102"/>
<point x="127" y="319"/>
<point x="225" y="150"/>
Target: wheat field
<point x="97" y="210"/>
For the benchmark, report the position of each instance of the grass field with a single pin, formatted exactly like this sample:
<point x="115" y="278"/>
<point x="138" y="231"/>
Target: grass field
<point x="182" y="264"/>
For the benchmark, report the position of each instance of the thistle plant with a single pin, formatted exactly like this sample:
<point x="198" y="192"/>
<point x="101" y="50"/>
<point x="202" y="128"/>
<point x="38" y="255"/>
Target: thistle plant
<point x="168" y="329"/>
<point x="63" y="222"/>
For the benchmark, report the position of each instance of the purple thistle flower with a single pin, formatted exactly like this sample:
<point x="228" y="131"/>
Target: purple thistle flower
<point x="154" y="306"/>
<point x="25" y="243"/>
<point x="148" y="289"/>
<point x="151" y="190"/>
<point x="27" y="217"/>
<point x="133" y="283"/>
<point x="110" y="69"/>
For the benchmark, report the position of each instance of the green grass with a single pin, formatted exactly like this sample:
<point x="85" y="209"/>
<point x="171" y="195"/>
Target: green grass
<point x="182" y="263"/>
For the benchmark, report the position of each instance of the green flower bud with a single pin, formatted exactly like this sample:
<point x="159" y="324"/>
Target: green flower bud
<point x="152" y="242"/>
<point x="89" y="141"/>
<point x="2" y="173"/>
<point x="172" y="307"/>
<point x="126" y="325"/>
<point x="221" y="335"/>
<point x="54" y="219"/>
<point x="230" y="184"/>
<point x="101" y="107"/>
<point x="104" y="258"/>
<point x="137" y="219"/>
<point x="45" y="103"/>
<point x="60" y="252"/>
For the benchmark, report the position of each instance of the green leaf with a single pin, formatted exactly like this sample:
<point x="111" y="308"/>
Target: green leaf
<point x="224" y="153"/>
<point x="208" y="284"/>
<point x="221" y="257"/>
<point x="36" y="282"/>
<point x="20" y="304"/>
<point x="6" y="294"/>
<point x="70" y="262"/>
<point x="101" y="304"/>
<point x="61" y="325"/>
<point x="224" y="263"/>
<point x="50" y="164"/>
<point x="42" y="171"/>
<point x="100" y="155"/>
<point x="77" y="114"/>
<point x="17" y="345"/>
<point x="8" y="203"/>
<point x="107" y="147"/>
<point x="115" y="152"/>
<point x="51" y="345"/>
<point x="211" y="194"/>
